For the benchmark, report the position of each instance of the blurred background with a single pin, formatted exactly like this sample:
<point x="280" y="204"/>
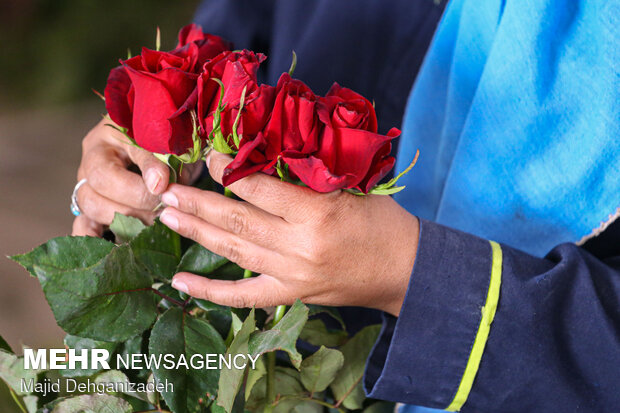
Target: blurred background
<point x="52" y="53"/>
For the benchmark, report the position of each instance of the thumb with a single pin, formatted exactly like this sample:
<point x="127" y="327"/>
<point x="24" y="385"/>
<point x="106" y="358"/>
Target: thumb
<point x="154" y="172"/>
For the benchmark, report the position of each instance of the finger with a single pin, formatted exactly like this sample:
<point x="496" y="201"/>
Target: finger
<point x="239" y="218"/>
<point x="154" y="172"/>
<point x="83" y="226"/>
<point x="261" y="291"/>
<point x="247" y="254"/>
<point x="285" y="200"/>
<point x="101" y="209"/>
<point x="108" y="175"/>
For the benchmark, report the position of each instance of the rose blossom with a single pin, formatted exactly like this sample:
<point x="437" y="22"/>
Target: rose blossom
<point x="328" y="143"/>
<point x="237" y="71"/>
<point x="151" y="94"/>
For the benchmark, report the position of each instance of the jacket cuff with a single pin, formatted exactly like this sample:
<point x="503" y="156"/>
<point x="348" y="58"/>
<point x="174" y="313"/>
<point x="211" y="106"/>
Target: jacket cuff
<point x="430" y="354"/>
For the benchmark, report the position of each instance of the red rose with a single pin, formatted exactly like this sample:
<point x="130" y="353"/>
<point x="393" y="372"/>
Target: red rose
<point x="208" y="45"/>
<point x="237" y="71"/>
<point x="151" y="94"/>
<point x="293" y="125"/>
<point x="342" y="150"/>
<point x="351" y="154"/>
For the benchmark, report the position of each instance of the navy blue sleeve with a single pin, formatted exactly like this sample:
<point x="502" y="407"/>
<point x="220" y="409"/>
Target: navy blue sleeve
<point x="553" y="344"/>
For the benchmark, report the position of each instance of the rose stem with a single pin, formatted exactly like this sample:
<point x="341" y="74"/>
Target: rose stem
<point x="271" y="364"/>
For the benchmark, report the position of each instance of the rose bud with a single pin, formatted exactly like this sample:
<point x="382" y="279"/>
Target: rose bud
<point x="237" y="71"/>
<point x="351" y="155"/>
<point x="293" y="125"/>
<point x="150" y="95"/>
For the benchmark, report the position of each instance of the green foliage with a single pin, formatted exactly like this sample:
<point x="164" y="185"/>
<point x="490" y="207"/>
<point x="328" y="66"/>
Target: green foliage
<point x="320" y="369"/>
<point x="317" y="334"/>
<point x="231" y="379"/>
<point x="91" y="403"/>
<point x="158" y="248"/>
<point x="12" y="371"/>
<point x="283" y="336"/>
<point x="181" y="334"/>
<point x="199" y="260"/>
<point x="118" y="297"/>
<point x="347" y="384"/>
<point x="126" y="228"/>
<point x="79" y="344"/>
<point x="79" y="280"/>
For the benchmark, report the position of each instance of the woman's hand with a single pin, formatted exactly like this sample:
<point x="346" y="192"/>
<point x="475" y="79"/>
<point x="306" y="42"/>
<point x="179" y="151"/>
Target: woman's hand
<point x="334" y="249"/>
<point x="111" y="187"/>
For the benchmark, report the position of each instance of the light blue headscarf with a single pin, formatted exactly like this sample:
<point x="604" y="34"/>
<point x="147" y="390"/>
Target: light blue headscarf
<point x="516" y="115"/>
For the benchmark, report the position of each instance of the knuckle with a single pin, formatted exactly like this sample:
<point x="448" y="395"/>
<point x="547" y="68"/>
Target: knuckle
<point x="236" y="220"/>
<point x="144" y="199"/>
<point x="239" y="301"/>
<point x="191" y="231"/>
<point x="232" y="251"/>
<point x="314" y="250"/>
<point x="191" y="205"/>
<point x="252" y="262"/>
<point x="96" y="178"/>
<point x="201" y="291"/>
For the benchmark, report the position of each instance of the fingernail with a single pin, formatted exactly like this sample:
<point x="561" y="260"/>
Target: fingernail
<point x="180" y="285"/>
<point x="169" y="220"/>
<point x="170" y="199"/>
<point x="152" y="179"/>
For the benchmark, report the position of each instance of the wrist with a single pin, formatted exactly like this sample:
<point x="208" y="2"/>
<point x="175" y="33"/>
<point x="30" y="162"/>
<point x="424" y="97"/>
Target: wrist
<point x="404" y="262"/>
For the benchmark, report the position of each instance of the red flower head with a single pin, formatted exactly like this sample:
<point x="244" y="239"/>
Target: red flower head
<point x="151" y="94"/>
<point x="328" y="143"/>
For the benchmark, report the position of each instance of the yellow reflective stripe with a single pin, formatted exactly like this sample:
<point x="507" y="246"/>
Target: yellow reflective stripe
<point x="488" y="313"/>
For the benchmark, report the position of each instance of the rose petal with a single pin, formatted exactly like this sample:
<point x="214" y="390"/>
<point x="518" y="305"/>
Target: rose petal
<point x="116" y="97"/>
<point x="313" y="172"/>
<point x="154" y="105"/>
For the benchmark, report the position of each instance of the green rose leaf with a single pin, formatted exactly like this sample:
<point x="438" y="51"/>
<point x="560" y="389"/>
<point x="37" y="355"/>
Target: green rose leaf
<point x="159" y="249"/>
<point x="230" y="379"/>
<point x="30" y="402"/>
<point x="135" y="345"/>
<point x="12" y="372"/>
<point x="110" y="300"/>
<point x="331" y="311"/>
<point x="125" y="228"/>
<point x="179" y="334"/>
<point x="317" y="334"/>
<point x="347" y="384"/>
<point x="79" y="344"/>
<point x="65" y="253"/>
<point x="118" y="377"/>
<point x="254" y="376"/>
<point x="91" y="403"/>
<point x="320" y="369"/>
<point x="199" y="260"/>
<point x="283" y="336"/>
<point x="288" y="391"/>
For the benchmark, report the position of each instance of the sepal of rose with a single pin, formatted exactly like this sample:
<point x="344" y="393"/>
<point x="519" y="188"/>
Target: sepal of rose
<point x="389" y="187"/>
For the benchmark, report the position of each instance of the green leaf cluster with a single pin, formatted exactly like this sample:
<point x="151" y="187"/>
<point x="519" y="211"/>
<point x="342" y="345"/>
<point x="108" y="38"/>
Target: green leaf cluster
<point x="117" y="296"/>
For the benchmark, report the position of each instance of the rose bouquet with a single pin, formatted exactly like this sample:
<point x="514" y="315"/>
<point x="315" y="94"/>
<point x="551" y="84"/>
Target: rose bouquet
<point x="179" y="105"/>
